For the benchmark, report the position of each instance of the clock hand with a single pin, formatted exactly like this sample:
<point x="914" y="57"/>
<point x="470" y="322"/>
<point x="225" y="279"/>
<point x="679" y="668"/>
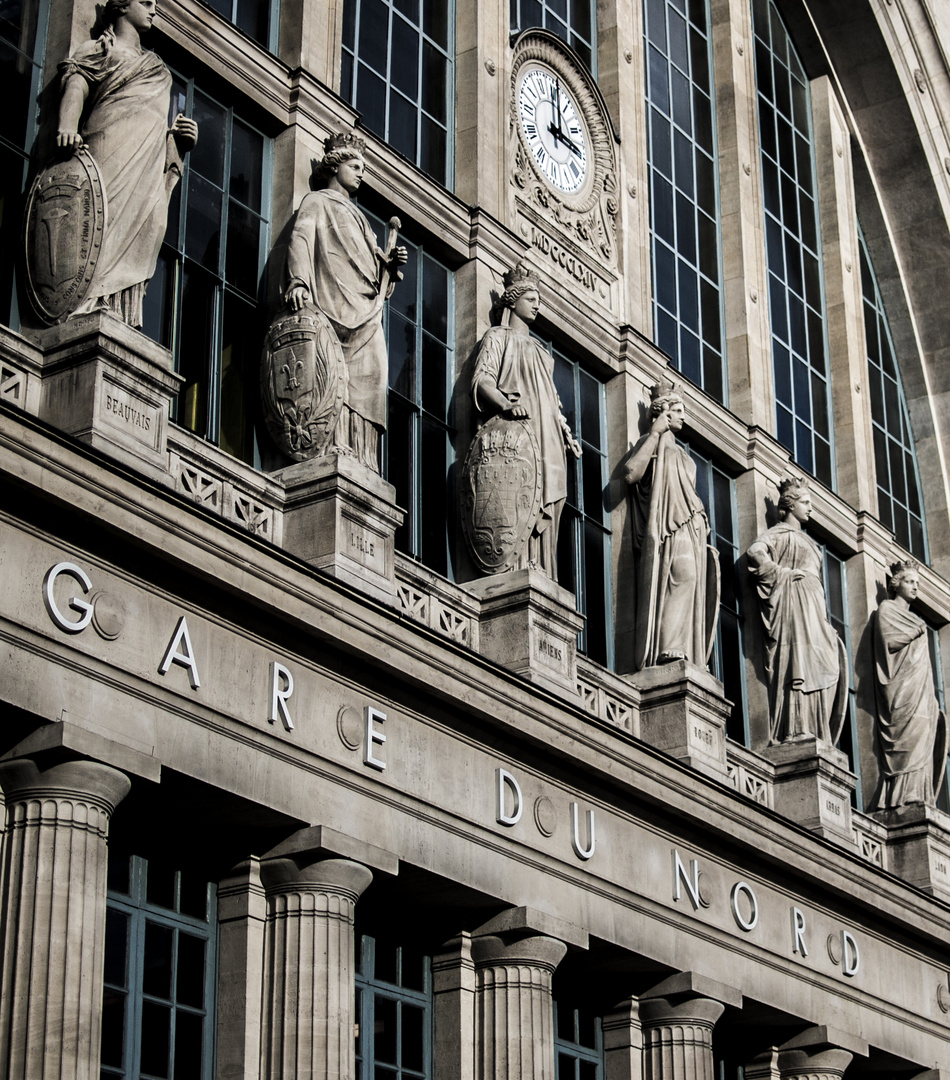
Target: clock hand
<point x="569" y="143"/>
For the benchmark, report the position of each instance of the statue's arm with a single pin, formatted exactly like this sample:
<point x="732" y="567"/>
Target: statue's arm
<point x="488" y="397"/>
<point x="301" y="255"/>
<point x="75" y="92"/>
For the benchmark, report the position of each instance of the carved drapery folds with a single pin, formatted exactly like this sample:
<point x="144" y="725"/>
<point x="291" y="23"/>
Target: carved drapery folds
<point x="53" y="907"/>
<point x="307" y="1022"/>
<point x="514" y="1010"/>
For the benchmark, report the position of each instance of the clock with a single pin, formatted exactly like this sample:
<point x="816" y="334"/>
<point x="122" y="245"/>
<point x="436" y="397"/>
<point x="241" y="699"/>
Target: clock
<point x="552" y="128"/>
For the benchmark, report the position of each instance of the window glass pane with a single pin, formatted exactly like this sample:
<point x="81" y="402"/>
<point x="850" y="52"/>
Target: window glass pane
<point x="679" y="80"/>
<point x="156" y="1036"/>
<point x="189" y="1045"/>
<point x="157" y="977"/>
<point x="793" y="259"/>
<point x="384" y="1030"/>
<point x="247" y="162"/>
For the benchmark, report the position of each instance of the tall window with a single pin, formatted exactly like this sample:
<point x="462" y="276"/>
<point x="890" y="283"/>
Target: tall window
<point x="417" y="449"/>
<point x="573" y="21"/>
<point x="257" y="18"/>
<point x="202" y="301"/>
<point x="22" y="44"/>
<point x="394" y="1012"/>
<point x="399" y="72"/>
<point x="796" y="289"/>
<point x="717" y="491"/>
<point x="836" y="594"/>
<point x="583" y="550"/>
<point x="687" y="308"/>
<point x="900" y="506"/>
<point x="158" y="1001"/>
<point x="578" y="1044"/>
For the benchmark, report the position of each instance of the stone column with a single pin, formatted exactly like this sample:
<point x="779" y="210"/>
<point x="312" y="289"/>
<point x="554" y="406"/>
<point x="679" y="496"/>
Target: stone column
<point x="453" y="994"/>
<point x="678" y="1017"/>
<point x="53" y="911"/>
<point x="514" y="1012"/>
<point x="819" y="1053"/>
<point x="307" y="1015"/>
<point x="623" y="1041"/>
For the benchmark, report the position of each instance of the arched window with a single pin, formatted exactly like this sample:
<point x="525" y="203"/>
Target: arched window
<point x="900" y="507"/>
<point x="573" y="21"/>
<point x="684" y="198"/>
<point x="796" y="284"/>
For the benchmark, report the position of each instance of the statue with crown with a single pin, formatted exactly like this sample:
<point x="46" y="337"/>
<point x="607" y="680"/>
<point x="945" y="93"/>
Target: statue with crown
<point x="514" y="483"/>
<point x="324" y="371"/>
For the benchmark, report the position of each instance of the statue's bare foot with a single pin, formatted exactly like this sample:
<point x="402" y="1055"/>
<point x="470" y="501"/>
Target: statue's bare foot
<point x="670" y="656"/>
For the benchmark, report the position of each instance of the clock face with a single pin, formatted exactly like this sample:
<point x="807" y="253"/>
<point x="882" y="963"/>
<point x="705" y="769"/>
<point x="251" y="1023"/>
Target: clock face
<point x="552" y="129"/>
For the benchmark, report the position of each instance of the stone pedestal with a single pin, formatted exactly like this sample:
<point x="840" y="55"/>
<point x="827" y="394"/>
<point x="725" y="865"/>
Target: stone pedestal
<point x="341" y="517"/>
<point x="813" y="787"/>
<point x="918" y="847"/>
<point x="820" y="1053"/>
<point x="529" y="624"/>
<point x="684" y="712"/>
<point x="514" y="1011"/>
<point x="108" y="385"/>
<point x="53" y="914"/>
<point x="308" y="996"/>
<point x="678" y="1017"/>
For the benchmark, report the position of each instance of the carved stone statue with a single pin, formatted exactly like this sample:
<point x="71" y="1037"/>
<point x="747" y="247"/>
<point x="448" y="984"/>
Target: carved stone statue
<point x="911" y="728"/>
<point x="676" y="595"/>
<point x="805" y="660"/>
<point x="337" y="280"/>
<point x="114" y="110"/>
<point x="515" y="482"/>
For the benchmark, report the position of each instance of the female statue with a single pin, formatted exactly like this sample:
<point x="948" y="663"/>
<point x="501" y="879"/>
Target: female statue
<point x="126" y="90"/>
<point x="514" y="378"/>
<point x="677" y="572"/>
<point x="805" y="660"/>
<point x="335" y="264"/>
<point x="911" y="729"/>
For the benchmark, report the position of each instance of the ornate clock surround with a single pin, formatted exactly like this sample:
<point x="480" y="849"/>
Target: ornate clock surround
<point x="589" y="216"/>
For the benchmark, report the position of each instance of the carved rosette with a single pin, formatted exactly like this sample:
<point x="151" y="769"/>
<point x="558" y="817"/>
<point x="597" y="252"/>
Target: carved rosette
<point x="589" y="217"/>
<point x="303" y="382"/>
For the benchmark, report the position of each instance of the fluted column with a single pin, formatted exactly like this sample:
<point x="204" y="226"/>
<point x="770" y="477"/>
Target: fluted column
<point x="818" y="1053"/>
<point x="677" y="1038"/>
<point x="514" y="1012"/>
<point x="307" y="1022"/>
<point x="53" y="910"/>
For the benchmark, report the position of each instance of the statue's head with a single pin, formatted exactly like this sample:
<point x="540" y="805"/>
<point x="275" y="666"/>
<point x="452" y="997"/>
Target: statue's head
<point x="794" y="497"/>
<point x="664" y="395"/>
<point x="520" y="282"/>
<point x="338" y="148"/>
<point x="113" y="9"/>
<point x="902" y="573"/>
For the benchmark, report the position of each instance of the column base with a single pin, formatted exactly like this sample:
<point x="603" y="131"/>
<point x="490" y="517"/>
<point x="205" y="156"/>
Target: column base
<point x="529" y="624"/>
<point x="342" y="518"/>
<point x="918" y="847"/>
<point x="813" y="786"/>
<point x="108" y="385"/>
<point x="683" y="712"/>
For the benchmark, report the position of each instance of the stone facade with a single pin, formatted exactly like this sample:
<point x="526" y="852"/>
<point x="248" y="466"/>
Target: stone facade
<point x="280" y="799"/>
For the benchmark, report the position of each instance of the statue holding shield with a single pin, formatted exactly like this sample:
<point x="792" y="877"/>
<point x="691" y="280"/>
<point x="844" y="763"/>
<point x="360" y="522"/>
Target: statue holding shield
<point x="515" y="481"/>
<point x="325" y="368"/>
<point x="96" y="216"/>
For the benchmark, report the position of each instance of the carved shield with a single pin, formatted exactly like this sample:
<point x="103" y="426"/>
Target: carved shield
<point x="65" y="223"/>
<point x="303" y="382"/>
<point x="501" y="492"/>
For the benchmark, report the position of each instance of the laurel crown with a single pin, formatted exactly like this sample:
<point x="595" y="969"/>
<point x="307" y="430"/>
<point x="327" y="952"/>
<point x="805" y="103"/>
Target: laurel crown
<point x="521" y="276"/>
<point x="343" y="140"/>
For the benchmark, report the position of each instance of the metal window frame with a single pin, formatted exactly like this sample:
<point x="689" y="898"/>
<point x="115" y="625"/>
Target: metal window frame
<point x="517" y="25"/>
<point x="573" y="1049"/>
<point x="717" y="195"/>
<point x="851" y="720"/>
<point x="135" y="905"/>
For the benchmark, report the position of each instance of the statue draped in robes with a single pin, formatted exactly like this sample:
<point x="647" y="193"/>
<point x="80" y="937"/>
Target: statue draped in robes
<point x="125" y="89"/>
<point x="513" y="378"/>
<point x="676" y="571"/>
<point x="911" y="729"/>
<point x="335" y="264"/>
<point x="805" y="660"/>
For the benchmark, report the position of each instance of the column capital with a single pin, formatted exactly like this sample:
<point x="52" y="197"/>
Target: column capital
<point x="342" y="876"/>
<point x="687" y="996"/>
<point x="89" y="781"/>
<point x="819" y="1053"/>
<point x="538" y="951"/>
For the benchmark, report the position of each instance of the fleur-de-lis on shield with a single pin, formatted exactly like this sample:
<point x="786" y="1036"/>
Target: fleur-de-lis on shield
<point x="292" y="381"/>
